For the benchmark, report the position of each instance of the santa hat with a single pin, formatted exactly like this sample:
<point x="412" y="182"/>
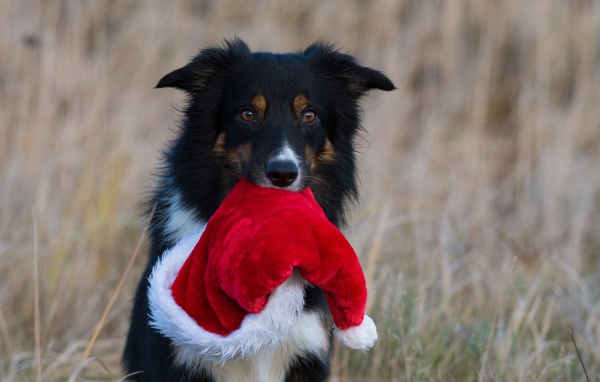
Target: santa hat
<point x="235" y="287"/>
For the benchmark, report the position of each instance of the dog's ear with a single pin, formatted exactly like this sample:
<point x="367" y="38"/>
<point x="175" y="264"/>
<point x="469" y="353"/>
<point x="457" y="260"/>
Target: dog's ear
<point x="356" y="78"/>
<point x="209" y="63"/>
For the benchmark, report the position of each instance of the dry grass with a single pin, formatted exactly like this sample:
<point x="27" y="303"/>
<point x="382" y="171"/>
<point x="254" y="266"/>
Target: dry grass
<point x="480" y="215"/>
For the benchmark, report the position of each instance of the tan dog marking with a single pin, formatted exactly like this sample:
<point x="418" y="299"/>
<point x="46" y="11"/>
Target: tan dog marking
<point x="239" y="156"/>
<point x="219" y="147"/>
<point x="235" y="157"/>
<point x="259" y="103"/>
<point x="299" y="104"/>
<point x="325" y="155"/>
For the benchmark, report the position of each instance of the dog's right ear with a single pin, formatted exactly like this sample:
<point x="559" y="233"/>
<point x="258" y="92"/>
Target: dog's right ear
<point x="357" y="79"/>
<point x="208" y="64"/>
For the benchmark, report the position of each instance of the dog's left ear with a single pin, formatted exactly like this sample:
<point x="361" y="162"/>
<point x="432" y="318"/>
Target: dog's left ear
<point x="208" y="65"/>
<point x="357" y="79"/>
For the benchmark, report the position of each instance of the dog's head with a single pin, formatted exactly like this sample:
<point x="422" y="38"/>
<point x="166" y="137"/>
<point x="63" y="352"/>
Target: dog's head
<point x="280" y="120"/>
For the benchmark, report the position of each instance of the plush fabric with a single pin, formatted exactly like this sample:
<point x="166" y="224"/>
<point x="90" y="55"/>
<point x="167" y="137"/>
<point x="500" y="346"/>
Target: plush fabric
<point x="251" y="246"/>
<point x="258" y="333"/>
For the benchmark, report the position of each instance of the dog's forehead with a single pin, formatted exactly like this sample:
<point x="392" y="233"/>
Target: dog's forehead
<point x="281" y="64"/>
<point x="277" y="76"/>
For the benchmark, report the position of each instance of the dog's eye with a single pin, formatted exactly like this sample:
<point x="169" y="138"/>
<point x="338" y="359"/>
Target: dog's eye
<point x="247" y="115"/>
<point x="309" y="116"/>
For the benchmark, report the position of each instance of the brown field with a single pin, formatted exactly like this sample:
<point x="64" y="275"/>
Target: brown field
<point x="479" y="221"/>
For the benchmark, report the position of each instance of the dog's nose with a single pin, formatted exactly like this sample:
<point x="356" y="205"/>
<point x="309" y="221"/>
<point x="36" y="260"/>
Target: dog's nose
<point x="282" y="173"/>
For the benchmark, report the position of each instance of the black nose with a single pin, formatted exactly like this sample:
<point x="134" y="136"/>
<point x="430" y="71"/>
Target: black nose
<point x="282" y="173"/>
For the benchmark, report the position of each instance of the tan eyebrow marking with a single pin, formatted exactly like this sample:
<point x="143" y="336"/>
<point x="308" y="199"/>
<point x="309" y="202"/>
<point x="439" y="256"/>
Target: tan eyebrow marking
<point x="259" y="103"/>
<point x="300" y="103"/>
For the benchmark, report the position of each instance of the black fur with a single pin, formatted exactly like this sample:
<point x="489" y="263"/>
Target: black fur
<point x="221" y="81"/>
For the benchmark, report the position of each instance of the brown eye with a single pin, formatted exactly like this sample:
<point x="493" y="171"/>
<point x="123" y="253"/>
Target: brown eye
<point x="309" y="116"/>
<point x="247" y="115"/>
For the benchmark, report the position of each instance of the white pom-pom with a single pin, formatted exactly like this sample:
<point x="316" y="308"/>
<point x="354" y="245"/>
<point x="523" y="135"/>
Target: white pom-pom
<point x="361" y="337"/>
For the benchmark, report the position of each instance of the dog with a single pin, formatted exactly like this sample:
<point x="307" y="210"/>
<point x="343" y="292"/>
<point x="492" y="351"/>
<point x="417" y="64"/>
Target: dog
<point x="287" y="121"/>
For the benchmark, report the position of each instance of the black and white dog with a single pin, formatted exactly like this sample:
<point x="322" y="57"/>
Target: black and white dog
<point x="279" y="120"/>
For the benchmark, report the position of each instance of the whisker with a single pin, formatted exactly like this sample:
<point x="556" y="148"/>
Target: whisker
<point x="318" y="180"/>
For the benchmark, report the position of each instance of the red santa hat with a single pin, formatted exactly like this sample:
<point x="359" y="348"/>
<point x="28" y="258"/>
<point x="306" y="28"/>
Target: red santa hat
<point x="235" y="287"/>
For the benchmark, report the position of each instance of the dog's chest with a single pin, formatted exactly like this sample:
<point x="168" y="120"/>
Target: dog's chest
<point x="309" y="336"/>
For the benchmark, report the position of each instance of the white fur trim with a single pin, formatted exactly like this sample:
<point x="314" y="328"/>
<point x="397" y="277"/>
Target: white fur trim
<point x="308" y="335"/>
<point x="361" y="337"/>
<point x="258" y="332"/>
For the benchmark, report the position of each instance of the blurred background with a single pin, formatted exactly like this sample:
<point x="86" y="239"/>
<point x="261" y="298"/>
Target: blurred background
<point x="479" y="221"/>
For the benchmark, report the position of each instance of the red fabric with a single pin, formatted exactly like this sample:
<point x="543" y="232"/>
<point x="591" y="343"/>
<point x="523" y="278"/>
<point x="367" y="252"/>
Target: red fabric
<point x="250" y="247"/>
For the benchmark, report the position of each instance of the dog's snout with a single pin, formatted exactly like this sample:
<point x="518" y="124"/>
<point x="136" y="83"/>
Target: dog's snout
<point x="282" y="173"/>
